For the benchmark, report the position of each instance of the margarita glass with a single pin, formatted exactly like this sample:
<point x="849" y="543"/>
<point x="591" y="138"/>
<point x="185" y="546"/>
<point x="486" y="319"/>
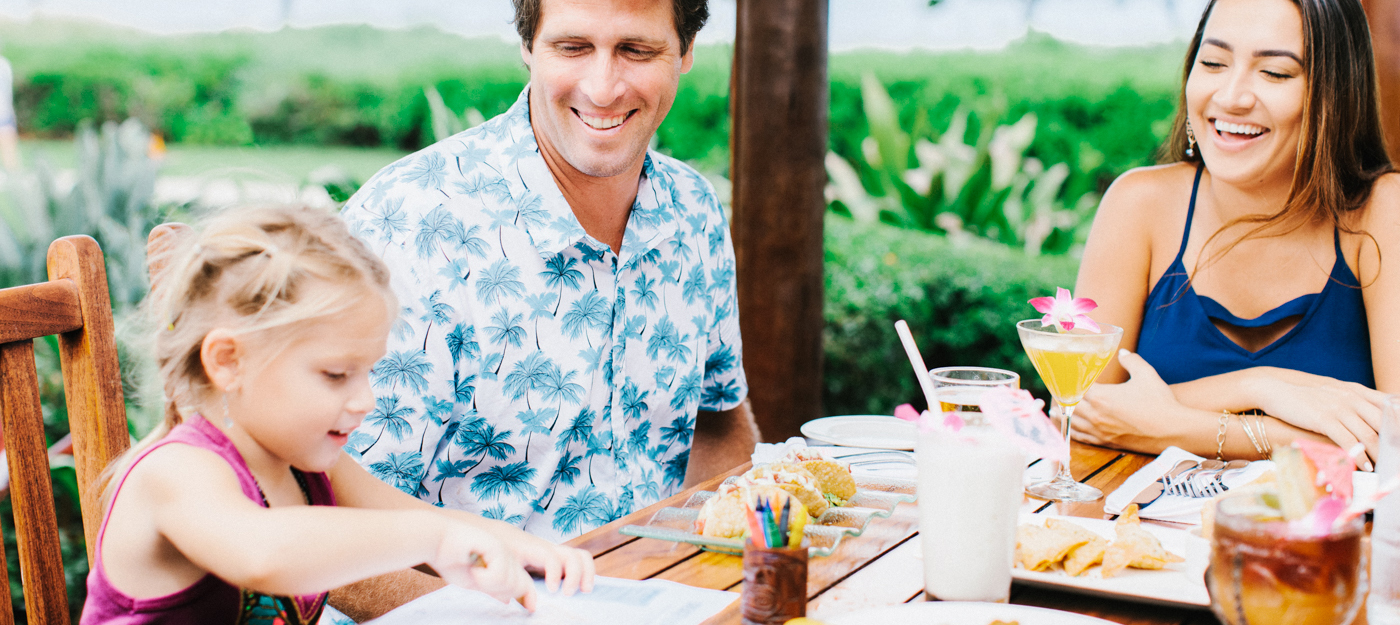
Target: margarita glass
<point x="1068" y="362"/>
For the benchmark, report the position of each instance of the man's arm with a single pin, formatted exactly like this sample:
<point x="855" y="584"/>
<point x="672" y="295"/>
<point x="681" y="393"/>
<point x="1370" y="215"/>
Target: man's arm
<point x="723" y="440"/>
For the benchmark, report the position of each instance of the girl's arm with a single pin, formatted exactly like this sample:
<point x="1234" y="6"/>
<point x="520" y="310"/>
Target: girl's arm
<point x="197" y="505"/>
<point x="564" y="568"/>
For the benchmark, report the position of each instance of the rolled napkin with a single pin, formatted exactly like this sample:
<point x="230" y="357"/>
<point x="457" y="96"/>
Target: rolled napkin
<point x="1175" y="508"/>
<point x="764" y="453"/>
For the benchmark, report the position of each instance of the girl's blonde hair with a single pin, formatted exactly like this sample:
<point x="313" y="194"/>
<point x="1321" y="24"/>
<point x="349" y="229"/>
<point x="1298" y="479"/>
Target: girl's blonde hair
<point x="262" y="271"/>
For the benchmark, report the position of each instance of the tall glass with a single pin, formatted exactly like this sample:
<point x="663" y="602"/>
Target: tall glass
<point x="1264" y="571"/>
<point x="960" y="389"/>
<point x="1068" y="363"/>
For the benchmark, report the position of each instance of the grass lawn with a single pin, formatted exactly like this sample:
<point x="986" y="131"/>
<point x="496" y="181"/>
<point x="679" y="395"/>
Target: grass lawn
<point x="279" y="163"/>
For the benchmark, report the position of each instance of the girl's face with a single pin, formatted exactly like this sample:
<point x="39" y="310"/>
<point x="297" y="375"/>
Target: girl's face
<point x="1245" y="94"/>
<point x="301" y="405"/>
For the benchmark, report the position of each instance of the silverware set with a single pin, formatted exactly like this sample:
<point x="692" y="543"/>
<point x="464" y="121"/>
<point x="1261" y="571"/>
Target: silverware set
<point x="1190" y="478"/>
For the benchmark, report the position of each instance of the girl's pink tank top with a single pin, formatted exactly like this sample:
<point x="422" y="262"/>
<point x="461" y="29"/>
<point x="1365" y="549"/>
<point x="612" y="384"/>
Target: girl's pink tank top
<point x="209" y="600"/>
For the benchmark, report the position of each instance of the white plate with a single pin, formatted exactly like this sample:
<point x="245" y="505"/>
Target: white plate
<point x="1180" y="583"/>
<point x="873" y="431"/>
<point x="960" y="613"/>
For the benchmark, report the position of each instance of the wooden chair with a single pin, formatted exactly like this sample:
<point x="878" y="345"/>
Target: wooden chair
<point x="73" y="304"/>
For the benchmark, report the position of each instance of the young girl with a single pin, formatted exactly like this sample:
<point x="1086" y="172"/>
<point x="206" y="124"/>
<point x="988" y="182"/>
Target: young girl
<point x="241" y="506"/>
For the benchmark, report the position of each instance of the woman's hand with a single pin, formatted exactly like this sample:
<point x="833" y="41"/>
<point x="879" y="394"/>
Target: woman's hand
<point x="472" y="558"/>
<point x="1345" y="412"/>
<point x="1131" y="415"/>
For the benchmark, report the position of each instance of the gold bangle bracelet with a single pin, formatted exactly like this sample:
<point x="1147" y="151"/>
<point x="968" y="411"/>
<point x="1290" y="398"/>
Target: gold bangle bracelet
<point x="1220" y="435"/>
<point x="1253" y="440"/>
<point x="1264" y="437"/>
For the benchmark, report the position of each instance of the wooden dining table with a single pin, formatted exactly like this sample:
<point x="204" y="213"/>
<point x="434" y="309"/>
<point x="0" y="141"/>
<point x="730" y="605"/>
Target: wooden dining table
<point x="873" y="569"/>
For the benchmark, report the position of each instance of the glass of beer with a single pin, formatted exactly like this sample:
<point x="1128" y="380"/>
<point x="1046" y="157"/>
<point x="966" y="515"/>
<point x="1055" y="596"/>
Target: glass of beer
<point x="960" y="389"/>
<point x="1264" y="569"/>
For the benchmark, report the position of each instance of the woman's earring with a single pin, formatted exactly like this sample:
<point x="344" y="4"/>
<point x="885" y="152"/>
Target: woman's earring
<point x="1190" y="142"/>
<point x="228" y="423"/>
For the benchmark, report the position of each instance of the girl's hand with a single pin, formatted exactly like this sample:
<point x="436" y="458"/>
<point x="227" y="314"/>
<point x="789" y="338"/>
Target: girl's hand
<point x="1131" y="415"/>
<point x="471" y="558"/>
<point x="564" y="568"/>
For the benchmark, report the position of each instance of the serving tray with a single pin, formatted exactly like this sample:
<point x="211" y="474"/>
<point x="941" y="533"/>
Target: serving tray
<point x="875" y="497"/>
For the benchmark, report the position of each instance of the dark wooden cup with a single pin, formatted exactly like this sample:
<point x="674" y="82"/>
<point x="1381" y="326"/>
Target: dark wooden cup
<point x="775" y="584"/>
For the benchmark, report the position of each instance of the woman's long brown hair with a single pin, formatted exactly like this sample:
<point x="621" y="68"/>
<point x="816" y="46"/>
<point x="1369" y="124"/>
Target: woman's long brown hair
<point x="1341" y="152"/>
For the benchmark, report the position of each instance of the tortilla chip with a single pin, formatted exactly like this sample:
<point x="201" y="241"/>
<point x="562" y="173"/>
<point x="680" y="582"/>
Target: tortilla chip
<point x="1038" y="547"/>
<point x="1134" y="547"/>
<point x="1080" y="558"/>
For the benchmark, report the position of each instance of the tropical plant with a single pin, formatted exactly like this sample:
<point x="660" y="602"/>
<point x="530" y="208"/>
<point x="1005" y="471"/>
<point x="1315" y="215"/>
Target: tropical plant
<point x="445" y="122"/>
<point x="987" y="188"/>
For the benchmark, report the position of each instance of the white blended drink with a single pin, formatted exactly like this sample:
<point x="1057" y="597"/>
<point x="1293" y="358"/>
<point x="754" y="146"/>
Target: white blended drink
<point x="969" y="498"/>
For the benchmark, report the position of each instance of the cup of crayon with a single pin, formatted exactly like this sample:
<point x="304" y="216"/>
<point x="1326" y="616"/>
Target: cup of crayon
<point x="775" y="568"/>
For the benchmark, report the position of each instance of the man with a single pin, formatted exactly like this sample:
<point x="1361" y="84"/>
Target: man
<point x="569" y="329"/>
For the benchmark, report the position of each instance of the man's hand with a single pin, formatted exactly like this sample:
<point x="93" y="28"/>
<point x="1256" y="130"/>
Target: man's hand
<point x="723" y="440"/>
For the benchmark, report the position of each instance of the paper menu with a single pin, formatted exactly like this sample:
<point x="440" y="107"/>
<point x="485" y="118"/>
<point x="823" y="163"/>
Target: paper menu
<point x="612" y="601"/>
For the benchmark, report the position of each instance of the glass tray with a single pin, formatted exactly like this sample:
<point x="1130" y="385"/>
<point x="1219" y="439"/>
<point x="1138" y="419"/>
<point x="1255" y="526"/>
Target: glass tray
<point x="875" y="496"/>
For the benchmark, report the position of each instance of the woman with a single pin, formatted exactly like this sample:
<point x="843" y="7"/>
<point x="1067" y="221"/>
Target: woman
<point x="1248" y="275"/>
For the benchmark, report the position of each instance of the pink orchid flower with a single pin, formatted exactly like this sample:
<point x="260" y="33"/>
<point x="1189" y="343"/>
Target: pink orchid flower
<point x="1065" y="311"/>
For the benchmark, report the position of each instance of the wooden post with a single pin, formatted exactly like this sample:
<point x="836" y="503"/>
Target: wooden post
<point x="1384" y="18"/>
<point x="780" y="105"/>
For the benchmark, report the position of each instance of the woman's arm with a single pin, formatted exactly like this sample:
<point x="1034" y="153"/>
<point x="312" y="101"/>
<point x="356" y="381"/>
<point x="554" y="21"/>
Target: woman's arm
<point x="1379" y="272"/>
<point x="196" y="504"/>
<point x="1145" y="415"/>
<point x="1117" y="265"/>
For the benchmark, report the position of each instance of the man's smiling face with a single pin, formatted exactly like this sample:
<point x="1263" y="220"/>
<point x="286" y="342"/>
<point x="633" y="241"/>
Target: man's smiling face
<point x="603" y="75"/>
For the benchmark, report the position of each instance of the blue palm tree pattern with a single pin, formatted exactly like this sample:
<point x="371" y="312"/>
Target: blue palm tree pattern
<point x="536" y="375"/>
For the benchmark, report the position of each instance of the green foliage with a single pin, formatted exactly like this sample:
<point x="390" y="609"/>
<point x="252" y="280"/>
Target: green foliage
<point x="962" y="302"/>
<point x="988" y="188"/>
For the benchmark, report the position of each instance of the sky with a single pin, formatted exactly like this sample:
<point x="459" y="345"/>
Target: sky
<point x="889" y="24"/>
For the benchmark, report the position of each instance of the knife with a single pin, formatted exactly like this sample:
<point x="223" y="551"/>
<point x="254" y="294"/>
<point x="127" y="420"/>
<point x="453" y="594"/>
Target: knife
<point x="1157" y="488"/>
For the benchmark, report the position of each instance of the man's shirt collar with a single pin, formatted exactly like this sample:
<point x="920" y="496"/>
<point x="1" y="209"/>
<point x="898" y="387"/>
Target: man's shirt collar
<point x="547" y="217"/>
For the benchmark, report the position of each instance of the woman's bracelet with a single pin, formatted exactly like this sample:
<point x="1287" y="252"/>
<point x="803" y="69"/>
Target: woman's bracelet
<point x="1264" y="437"/>
<point x="1220" y="436"/>
<point x="1253" y="440"/>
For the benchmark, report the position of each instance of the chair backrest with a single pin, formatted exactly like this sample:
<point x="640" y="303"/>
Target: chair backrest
<point x="73" y="304"/>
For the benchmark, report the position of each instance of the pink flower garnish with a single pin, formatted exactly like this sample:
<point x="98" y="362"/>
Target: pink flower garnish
<point x="906" y="412"/>
<point x="1334" y="465"/>
<point x="1065" y="311"/>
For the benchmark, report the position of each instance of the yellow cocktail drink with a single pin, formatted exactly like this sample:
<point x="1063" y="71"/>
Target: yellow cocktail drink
<point x="1068" y="362"/>
<point x="1067" y="368"/>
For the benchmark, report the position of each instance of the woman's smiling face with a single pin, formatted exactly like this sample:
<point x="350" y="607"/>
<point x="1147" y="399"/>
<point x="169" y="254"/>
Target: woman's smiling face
<point x="1246" y="91"/>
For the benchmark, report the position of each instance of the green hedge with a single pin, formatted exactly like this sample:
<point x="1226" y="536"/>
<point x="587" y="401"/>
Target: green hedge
<point x="962" y="301"/>
<point x="1101" y="110"/>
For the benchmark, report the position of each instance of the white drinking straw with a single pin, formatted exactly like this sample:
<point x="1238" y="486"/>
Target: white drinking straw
<point x="917" y="360"/>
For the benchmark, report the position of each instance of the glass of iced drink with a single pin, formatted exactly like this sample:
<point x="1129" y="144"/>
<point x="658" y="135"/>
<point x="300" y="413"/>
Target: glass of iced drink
<point x="1264" y="569"/>
<point x="960" y="388"/>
